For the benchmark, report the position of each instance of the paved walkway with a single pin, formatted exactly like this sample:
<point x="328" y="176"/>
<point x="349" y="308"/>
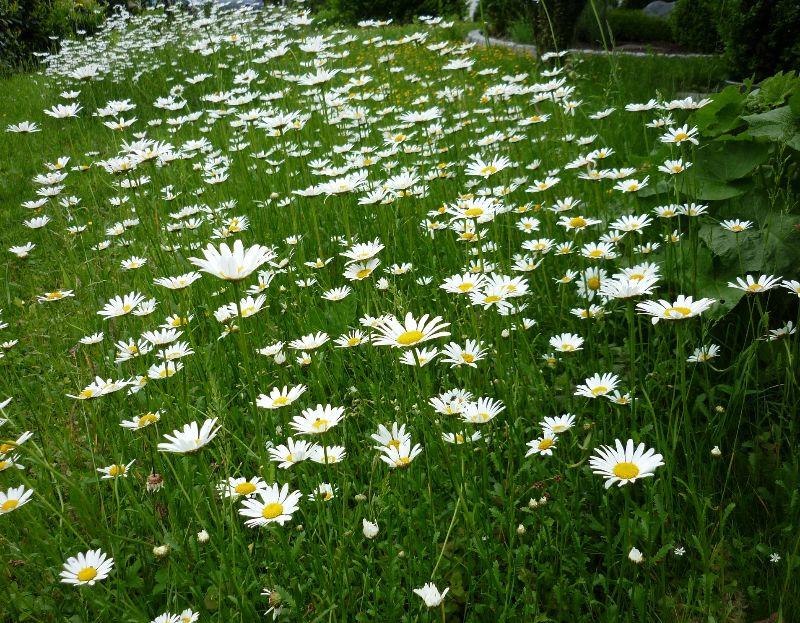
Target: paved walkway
<point x="476" y="36"/>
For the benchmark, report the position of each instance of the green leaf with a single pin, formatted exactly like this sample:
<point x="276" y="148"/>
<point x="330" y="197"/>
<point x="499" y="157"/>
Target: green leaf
<point x="721" y="115"/>
<point x="779" y="125"/>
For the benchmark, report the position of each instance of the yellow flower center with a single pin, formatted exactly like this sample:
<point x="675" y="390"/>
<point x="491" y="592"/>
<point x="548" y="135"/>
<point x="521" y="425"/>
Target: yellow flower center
<point x="9" y="505"/>
<point x="593" y="283"/>
<point x="473" y="212"/>
<point x="577" y="221"/>
<point x="320" y="423"/>
<point x="468" y="357"/>
<point x="681" y="136"/>
<point x="4" y="465"/>
<point x="596" y="253"/>
<point x="402" y="461"/>
<point x="410" y="337"/>
<point x="755" y="287"/>
<point x="363" y="273"/>
<point x="492" y="298"/>
<point x="272" y="510"/>
<point x="87" y="574"/>
<point x="116" y="470"/>
<point x="546" y="444"/>
<point x="354" y="341"/>
<point x="682" y="311"/>
<point x="245" y="488"/>
<point x="86" y="393"/>
<point x="600" y="390"/>
<point x="466" y="287"/>
<point x="488" y="170"/>
<point x="280" y="401"/>
<point x="626" y="471"/>
<point x="394" y="443"/>
<point x="7" y="447"/>
<point x="146" y="419"/>
<point x="126" y="308"/>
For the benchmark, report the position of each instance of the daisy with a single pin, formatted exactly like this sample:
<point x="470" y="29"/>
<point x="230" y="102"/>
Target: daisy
<point x="543" y="446"/>
<point x="410" y="332"/>
<point x="360" y="252"/>
<point x="418" y="356"/>
<point x="290" y="454"/>
<point x="317" y="420"/>
<point x="469" y="355"/>
<point x="280" y="397"/>
<point x="87" y="568"/>
<point x="13" y="498"/>
<point x="624" y="464"/>
<point x="327" y="455"/>
<point x="401" y="455"/>
<point x="482" y="411"/>
<point x="350" y="340"/>
<point x="736" y="226"/>
<point x="272" y="505"/>
<point x="566" y="342"/>
<point x="683" y="307"/>
<point x="597" y="385"/>
<point x="459" y="438"/>
<point x="191" y="438"/>
<point x="556" y="425"/>
<point x="792" y="285"/>
<point x="431" y="595"/>
<point x="679" y="135"/>
<point x="394" y="437"/>
<point x="142" y="421"/>
<point x="361" y="270"/>
<point x="324" y="493"/>
<point x="485" y="169"/>
<point x="233" y="264"/>
<point x="241" y="487"/>
<point x="312" y="341"/>
<point x="115" y="471"/>
<point x="57" y="295"/>
<point x="121" y="305"/>
<point x="704" y="354"/>
<point x="750" y="285"/>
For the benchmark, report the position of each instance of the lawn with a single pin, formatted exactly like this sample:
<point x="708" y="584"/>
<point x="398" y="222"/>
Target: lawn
<point x="451" y="305"/>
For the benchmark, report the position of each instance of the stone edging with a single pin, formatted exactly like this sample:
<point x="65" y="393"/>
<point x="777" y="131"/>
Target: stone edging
<point x="475" y="36"/>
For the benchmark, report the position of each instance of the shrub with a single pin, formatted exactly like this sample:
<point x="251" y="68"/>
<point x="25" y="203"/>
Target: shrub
<point x="761" y="36"/>
<point x="623" y="25"/>
<point x="696" y="25"/>
<point x="26" y="26"/>
<point x="352" y="11"/>
<point x="548" y="19"/>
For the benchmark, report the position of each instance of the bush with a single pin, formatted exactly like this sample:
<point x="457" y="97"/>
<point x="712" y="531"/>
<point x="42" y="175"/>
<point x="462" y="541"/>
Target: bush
<point x="352" y="11"/>
<point x="696" y="25"/>
<point x="26" y="26"/>
<point x="548" y="19"/>
<point x="624" y="25"/>
<point x="761" y="36"/>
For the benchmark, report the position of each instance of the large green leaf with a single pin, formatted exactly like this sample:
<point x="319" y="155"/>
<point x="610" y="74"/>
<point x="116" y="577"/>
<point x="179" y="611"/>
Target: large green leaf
<point x="779" y="125"/>
<point x="722" y="113"/>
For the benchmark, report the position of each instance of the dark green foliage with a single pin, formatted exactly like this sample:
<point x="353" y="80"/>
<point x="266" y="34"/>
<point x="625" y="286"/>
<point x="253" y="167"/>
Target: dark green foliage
<point x="552" y="22"/>
<point x="761" y="37"/>
<point x="623" y="25"/>
<point x="352" y="11"/>
<point x="27" y="26"/>
<point x="696" y="25"/>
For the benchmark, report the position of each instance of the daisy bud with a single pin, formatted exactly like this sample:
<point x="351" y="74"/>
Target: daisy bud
<point x="155" y="482"/>
<point x="370" y="529"/>
<point x="716" y="452"/>
<point x="532" y="503"/>
<point x="280" y="358"/>
<point x="521" y="529"/>
<point x="401" y="554"/>
<point x="203" y="536"/>
<point x="505" y="333"/>
<point x="360" y="497"/>
<point x="719" y="409"/>
<point x="542" y="501"/>
<point x="635" y="556"/>
<point x="159" y="551"/>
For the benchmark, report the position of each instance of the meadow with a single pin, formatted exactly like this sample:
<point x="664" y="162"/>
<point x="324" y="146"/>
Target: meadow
<point x="299" y="320"/>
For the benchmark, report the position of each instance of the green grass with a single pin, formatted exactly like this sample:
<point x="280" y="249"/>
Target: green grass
<point x="458" y="515"/>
